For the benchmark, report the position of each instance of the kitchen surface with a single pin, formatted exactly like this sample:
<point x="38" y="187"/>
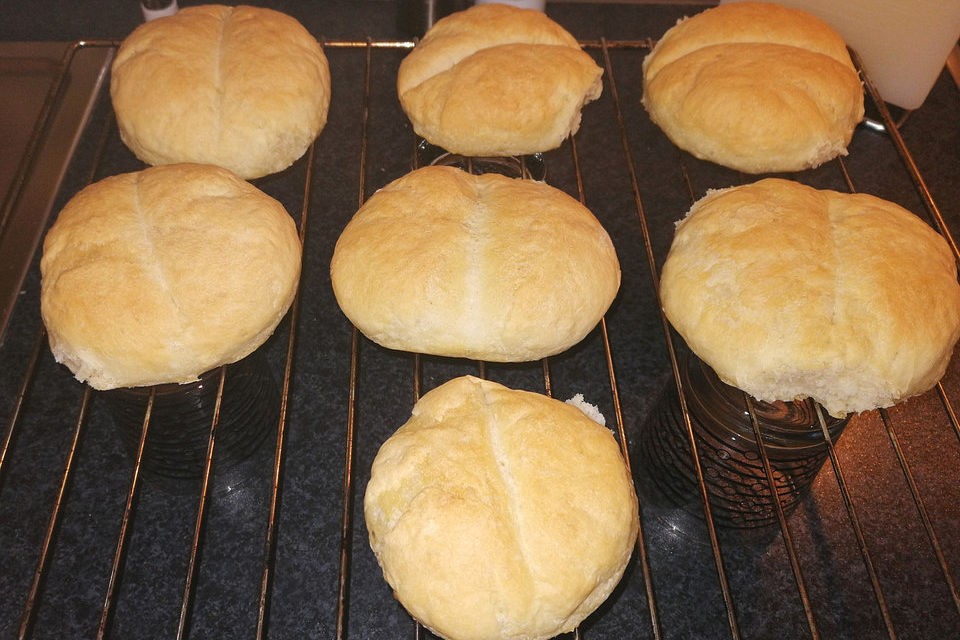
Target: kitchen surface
<point x="276" y="547"/>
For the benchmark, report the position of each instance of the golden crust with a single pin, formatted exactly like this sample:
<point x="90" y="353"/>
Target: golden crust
<point x="241" y="87"/>
<point x="487" y="267"/>
<point x="754" y="86"/>
<point x="787" y="291"/>
<point x="497" y="513"/>
<point x="496" y="80"/>
<point x="160" y="275"/>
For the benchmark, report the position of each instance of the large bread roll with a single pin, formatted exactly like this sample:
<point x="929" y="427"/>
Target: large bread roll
<point x="160" y="275"/>
<point x="497" y="513"/>
<point x="787" y="291"/>
<point x="754" y="86"/>
<point x="242" y="87"/>
<point x="496" y="80"/>
<point x="486" y="267"/>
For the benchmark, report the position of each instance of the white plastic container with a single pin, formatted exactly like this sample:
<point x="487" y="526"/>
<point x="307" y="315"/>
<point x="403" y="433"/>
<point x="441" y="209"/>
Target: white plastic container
<point x="903" y="44"/>
<point x="539" y="5"/>
<point x="153" y="9"/>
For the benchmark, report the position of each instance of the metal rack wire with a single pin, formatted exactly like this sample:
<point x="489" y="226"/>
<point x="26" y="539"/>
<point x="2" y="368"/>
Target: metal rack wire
<point x="348" y="594"/>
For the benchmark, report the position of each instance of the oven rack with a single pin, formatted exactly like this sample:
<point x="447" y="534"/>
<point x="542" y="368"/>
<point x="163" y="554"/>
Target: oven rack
<point x="93" y="549"/>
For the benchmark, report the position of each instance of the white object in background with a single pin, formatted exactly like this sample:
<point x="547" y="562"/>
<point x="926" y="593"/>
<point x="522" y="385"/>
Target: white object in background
<point x="153" y="9"/>
<point x="903" y="44"/>
<point x="539" y="5"/>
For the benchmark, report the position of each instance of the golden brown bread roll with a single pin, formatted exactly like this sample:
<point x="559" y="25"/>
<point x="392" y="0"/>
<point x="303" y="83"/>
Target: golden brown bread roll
<point x="498" y="513"/>
<point x="754" y="86"/>
<point x="160" y="275"/>
<point x="787" y="292"/>
<point x="487" y="267"/>
<point x="241" y="87"/>
<point x="496" y="80"/>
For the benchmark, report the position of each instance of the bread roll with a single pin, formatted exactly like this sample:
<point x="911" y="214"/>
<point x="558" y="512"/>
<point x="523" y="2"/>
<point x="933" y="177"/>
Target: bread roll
<point x="754" y="86"/>
<point x="789" y="292"/>
<point x="496" y="80"/>
<point x="497" y="513"/>
<point x="160" y="275"/>
<point x="486" y="267"/>
<point x="242" y="87"/>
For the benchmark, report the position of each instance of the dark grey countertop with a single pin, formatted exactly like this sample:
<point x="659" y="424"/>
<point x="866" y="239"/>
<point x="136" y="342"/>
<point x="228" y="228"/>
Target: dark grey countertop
<point x="689" y="599"/>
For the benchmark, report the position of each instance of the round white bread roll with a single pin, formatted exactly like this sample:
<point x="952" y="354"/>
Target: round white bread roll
<point x="158" y="276"/>
<point x="487" y="267"/>
<point x="243" y="88"/>
<point x="498" y="513"/>
<point x="497" y="80"/>
<point x="756" y="87"/>
<point x="787" y="292"/>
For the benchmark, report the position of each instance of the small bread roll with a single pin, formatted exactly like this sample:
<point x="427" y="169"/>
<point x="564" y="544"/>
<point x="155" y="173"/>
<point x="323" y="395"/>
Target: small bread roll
<point x="496" y="80"/>
<point x="790" y="292"/>
<point x="160" y="275"/>
<point x="448" y="263"/>
<point x="497" y="513"/>
<point x="242" y="87"/>
<point x="756" y="87"/>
